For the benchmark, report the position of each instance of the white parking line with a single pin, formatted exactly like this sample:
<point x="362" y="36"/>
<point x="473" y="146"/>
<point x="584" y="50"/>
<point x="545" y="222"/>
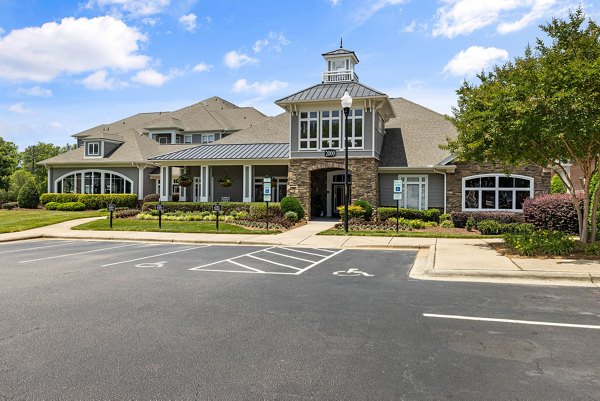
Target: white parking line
<point x="320" y="261"/>
<point x="77" y="253"/>
<point x="299" y="251"/>
<point x="272" y="262"/>
<point x="245" y="267"/>
<point x="291" y="257"/>
<point x="325" y="250"/>
<point x="154" y="256"/>
<point x="37" y="247"/>
<point x="230" y="259"/>
<point x="531" y="322"/>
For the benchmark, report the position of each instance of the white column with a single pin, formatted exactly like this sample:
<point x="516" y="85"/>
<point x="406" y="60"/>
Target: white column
<point x="248" y="183"/>
<point x="183" y="194"/>
<point x="49" y="188"/>
<point x="166" y="183"/>
<point x="140" y="183"/>
<point x="205" y="184"/>
<point x="173" y="137"/>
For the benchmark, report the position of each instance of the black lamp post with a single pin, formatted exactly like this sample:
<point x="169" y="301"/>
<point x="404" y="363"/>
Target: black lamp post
<point x="346" y="104"/>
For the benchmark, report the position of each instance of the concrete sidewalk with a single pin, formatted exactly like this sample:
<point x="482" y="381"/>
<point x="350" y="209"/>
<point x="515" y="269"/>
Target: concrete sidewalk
<point x="437" y="259"/>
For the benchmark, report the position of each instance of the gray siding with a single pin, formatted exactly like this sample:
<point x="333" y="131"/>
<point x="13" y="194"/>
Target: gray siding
<point x="110" y="147"/>
<point x="149" y="185"/>
<point x="368" y="130"/>
<point x="294" y="132"/>
<point x="340" y="154"/>
<point x="435" y="190"/>
<point x="235" y="190"/>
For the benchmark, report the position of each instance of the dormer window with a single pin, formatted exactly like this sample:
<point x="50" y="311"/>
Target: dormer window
<point x="93" y="149"/>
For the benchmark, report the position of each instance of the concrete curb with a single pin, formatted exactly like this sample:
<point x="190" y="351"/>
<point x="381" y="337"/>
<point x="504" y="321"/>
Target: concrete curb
<point x="512" y="275"/>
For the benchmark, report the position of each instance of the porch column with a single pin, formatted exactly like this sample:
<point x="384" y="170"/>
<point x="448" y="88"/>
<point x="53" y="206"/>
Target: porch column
<point x="248" y="182"/>
<point x="140" y="183"/>
<point x="205" y="187"/>
<point x="166" y="183"/>
<point x="173" y="137"/>
<point x="50" y="183"/>
<point x="183" y="194"/>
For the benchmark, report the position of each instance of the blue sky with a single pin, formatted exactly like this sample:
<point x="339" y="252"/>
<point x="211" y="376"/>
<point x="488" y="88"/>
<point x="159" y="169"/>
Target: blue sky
<point x="66" y="66"/>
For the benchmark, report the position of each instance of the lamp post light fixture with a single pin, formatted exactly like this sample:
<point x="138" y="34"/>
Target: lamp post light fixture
<point x="346" y="104"/>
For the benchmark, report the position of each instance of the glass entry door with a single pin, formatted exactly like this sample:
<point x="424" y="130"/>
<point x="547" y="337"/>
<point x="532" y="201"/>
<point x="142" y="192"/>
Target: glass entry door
<point x="337" y="198"/>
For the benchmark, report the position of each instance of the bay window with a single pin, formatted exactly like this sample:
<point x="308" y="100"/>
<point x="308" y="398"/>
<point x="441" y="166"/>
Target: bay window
<point x="322" y="130"/>
<point x="496" y="192"/>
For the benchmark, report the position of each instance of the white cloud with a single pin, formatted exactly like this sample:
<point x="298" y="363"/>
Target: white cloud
<point x="71" y="46"/>
<point x="19" y="108"/>
<point x="474" y="59"/>
<point x="202" y="67"/>
<point x="154" y="78"/>
<point x="1" y="30"/>
<point x="235" y="60"/>
<point x="136" y="8"/>
<point x="362" y="15"/>
<point x="261" y="88"/>
<point x="55" y="125"/>
<point x="334" y="2"/>
<point x="411" y="27"/>
<point x="151" y="21"/>
<point x="188" y="22"/>
<point x="35" y="91"/>
<point x="99" y="80"/>
<point x="274" y="41"/>
<point x="461" y="17"/>
<point x="259" y="45"/>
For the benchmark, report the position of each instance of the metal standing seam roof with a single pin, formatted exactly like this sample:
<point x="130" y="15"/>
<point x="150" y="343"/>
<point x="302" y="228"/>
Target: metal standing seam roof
<point x="230" y="152"/>
<point x="331" y="91"/>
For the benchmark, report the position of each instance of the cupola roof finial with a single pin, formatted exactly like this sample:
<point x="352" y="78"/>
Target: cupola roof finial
<point x="341" y="43"/>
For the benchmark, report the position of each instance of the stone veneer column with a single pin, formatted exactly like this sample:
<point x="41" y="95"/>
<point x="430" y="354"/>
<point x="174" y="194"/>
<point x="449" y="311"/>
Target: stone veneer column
<point x="365" y="178"/>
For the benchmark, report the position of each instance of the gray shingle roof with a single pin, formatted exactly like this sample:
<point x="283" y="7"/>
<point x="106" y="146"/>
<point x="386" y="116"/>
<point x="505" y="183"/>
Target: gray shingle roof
<point x="331" y="91"/>
<point x="412" y="138"/>
<point x="341" y="52"/>
<point x="230" y="152"/>
<point x="273" y="130"/>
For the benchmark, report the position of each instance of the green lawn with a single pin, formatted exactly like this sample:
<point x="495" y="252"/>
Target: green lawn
<point x="415" y="234"/>
<point x="25" y="219"/>
<point x="170" y="226"/>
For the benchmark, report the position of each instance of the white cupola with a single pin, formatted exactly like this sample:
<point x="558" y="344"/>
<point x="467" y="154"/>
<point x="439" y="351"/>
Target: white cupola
<point x="340" y="66"/>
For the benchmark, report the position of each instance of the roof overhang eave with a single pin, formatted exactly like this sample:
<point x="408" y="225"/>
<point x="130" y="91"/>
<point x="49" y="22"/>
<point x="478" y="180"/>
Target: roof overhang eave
<point x="419" y="169"/>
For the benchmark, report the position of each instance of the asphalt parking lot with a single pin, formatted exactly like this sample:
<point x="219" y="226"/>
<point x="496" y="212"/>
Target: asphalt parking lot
<point x="114" y="320"/>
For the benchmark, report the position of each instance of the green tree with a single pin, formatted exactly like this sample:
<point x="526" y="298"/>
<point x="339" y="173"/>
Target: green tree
<point x="9" y="159"/>
<point x="29" y="196"/>
<point x="542" y="108"/>
<point x="32" y="155"/>
<point x="18" y="179"/>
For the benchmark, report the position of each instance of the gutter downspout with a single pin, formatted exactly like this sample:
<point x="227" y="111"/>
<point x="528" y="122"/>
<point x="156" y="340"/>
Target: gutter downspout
<point x="445" y="178"/>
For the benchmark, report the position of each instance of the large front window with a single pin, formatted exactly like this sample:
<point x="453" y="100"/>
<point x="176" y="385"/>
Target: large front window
<point x="414" y="191"/>
<point x="322" y="130"/>
<point x="496" y="192"/>
<point x="94" y="182"/>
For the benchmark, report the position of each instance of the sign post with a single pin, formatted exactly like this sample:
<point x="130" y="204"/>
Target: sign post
<point x="160" y="207"/>
<point x="111" y="209"/>
<point x="397" y="198"/>
<point x="267" y="197"/>
<point x="217" y="208"/>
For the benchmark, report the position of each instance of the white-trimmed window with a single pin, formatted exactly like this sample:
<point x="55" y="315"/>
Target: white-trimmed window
<point x="309" y="130"/>
<point x="330" y="130"/>
<point x="414" y="191"/>
<point x="94" y="182"/>
<point x="187" y="139"/>
<point x="496" y="192"/>
<point x="354" y="125"/>
<point x="93" y="149"/>
<point x="207" y="138"/>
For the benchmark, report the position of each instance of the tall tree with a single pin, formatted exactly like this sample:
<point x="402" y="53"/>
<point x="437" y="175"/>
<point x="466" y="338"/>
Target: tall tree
<point x="9" y="159"/>
<point x="543" y="109"/>
<point x="36" y="153"/>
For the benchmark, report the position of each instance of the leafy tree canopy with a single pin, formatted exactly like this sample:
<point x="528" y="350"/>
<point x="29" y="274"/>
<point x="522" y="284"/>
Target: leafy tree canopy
<point x="543" y="108"/>
<point x="9" y="159"/>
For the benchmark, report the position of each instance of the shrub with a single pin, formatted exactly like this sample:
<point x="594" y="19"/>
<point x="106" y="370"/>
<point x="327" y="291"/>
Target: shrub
<point x="258" y="210"/>
<point x="152" y="198"/>
<point x="490" y="227"/>
<point x="52" y="205"/>
<point x="543" y="242"/>
<point x="126" y="213"/>
<point x="354" y="211"/>
<point x="446" y="224"/>
<point x="29" y="197"/>
<point x="175" y="196"/>
<point x="10" y="205"/>
<point x="445" y="217"/>
<point x="385" y="213"/>
<point x="432" y="215"/>
<point x="460" y="218"/>
<point x="58" y="198"/>
<point x="368" y="209"/>
<point x="97" y="201"/>
<point x="552" y="212"/>
<point x="291" y="204"/>
<point x="470" y="223"/>
<point x="291" y="216"/>
<point x="556" y="185"/>
<point x="226" y="207"/>
<point x="518" y="228"/>
<point x="71" y="206"/>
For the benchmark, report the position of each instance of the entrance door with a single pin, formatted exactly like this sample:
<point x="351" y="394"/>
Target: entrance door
<point x="337" y="198"/>
<point x="197" y="189"/>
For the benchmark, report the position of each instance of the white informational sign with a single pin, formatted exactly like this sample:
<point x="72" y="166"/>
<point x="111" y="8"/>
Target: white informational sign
<point x="267" y="189"/>
<point x="397" y="196"/>
<point x="397" y="187"/>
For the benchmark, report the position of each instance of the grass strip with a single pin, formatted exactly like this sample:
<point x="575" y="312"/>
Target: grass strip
<point x="25" y="219"/>
<point x="208" y="227"/>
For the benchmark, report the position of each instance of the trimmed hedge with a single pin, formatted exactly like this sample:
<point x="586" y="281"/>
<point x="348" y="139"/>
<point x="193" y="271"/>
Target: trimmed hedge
<point x="291" y="204"/>
<point x="258" y="210"/>
<point x="10" y="205"/>
<point x="92" y="201"/>
<point x="459" y="219"/>
<point x="552" y="212"/>
<point x="29" y="197"/>
<point x="152" y="198"/>
<point x="71" y="206"/>
<point x="58" y="198"/>
<point x="385" y="213"/>
<point x="52" y="205"/>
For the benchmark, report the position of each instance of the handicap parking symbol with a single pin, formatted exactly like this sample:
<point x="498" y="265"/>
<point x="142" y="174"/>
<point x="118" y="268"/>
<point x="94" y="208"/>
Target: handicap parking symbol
<point x="152" y="264"/>
<point x="352" y="272"/>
